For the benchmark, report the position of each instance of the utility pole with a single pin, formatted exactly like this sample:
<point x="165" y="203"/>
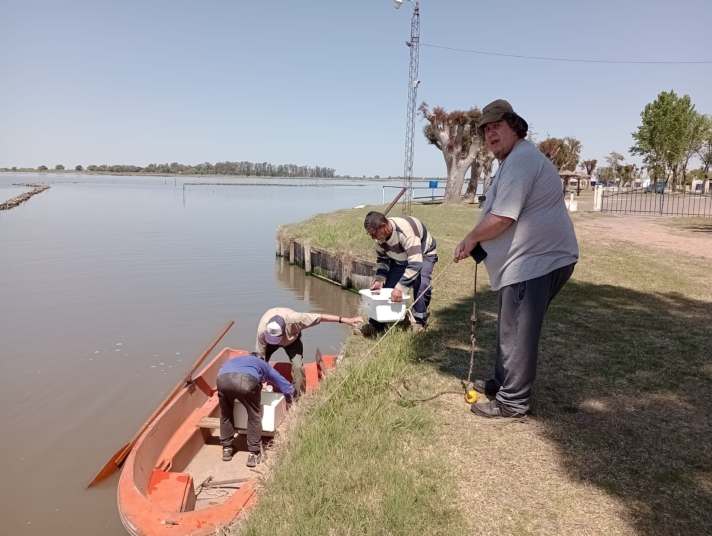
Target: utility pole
<point x="413" y="82"/>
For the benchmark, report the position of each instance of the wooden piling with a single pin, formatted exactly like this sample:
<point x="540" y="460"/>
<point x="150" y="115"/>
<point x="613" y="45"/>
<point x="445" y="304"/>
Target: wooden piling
<point x="345" y="271"/>
<point x="307" y="258"/>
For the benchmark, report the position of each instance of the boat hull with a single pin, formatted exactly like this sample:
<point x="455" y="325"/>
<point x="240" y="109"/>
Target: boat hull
<point x="169" y="482"/>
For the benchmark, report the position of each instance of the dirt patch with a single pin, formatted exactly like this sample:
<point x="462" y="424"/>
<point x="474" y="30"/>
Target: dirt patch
<point x="656" y="232"/>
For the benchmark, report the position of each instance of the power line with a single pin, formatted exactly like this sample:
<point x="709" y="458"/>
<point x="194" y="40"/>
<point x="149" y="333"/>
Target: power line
<point x="567" y="60"/>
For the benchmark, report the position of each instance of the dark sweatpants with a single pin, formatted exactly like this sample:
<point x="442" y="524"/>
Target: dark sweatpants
<point x="522" y="307"/>
<point x="247" y="389"/>
<point x="295" y="353"/>
<point x="421" y="308"/>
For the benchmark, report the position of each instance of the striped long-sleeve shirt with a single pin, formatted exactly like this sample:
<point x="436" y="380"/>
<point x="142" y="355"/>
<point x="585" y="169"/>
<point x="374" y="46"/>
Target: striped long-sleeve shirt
<point x="409" y="242"/>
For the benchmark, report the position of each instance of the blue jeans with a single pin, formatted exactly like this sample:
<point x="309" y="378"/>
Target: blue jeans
<point x="248" y="390"/>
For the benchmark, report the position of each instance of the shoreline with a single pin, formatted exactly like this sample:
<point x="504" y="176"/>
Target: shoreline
<point x="598" y="360"/>
<point x="200" y="176"/>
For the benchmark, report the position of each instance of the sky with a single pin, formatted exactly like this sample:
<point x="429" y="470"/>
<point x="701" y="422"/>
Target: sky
<point x="325" y="83"/>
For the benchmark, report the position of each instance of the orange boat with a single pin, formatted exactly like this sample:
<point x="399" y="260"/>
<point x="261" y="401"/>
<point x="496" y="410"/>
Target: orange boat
<point x="174" y="481"/>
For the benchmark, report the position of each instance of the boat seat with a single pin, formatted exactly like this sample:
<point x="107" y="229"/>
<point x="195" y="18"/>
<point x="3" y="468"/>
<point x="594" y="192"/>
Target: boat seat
<point x="172" y="492"/>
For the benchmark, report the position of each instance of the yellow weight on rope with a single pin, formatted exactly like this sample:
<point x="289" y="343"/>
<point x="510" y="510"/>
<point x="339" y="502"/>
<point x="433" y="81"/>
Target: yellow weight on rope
<point x="471" y="396"/>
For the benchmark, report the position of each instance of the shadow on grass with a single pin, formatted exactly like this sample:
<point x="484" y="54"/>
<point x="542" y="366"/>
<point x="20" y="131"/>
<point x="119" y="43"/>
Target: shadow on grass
<point x="624" y="388"/>
<point x="700" y="228"/>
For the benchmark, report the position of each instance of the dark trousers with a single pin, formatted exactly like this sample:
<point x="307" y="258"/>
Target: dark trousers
<point x="522" y="307"/>
<point x="295" y="352"/>
<point x="247" y="389"/>
<point x="421" y="309"/>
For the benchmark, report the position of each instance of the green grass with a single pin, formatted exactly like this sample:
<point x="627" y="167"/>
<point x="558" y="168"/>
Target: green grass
<point x="620" y="441"/>
<point x="342" y="232"/>
<point x="354" y="465"/>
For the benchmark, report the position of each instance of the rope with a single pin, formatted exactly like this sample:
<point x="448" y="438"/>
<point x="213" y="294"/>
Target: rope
<point x="473" y="333"/>
<point x="466" y="385"/>
<point x="390" y="329"/>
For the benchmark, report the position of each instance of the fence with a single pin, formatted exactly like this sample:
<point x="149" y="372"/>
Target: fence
<point x="436" y="194"/>
<point x="655" y="201"/>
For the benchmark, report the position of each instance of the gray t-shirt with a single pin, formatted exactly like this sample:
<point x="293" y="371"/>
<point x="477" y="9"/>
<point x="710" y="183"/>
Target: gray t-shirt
<point x="527" y="188"/>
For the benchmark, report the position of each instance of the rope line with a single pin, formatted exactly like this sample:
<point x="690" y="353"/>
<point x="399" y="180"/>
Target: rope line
<point x="473" y="334"/>
<point x="466" y="385"/>
<point x="391" y="328"/>
<point x="567" y="60"/>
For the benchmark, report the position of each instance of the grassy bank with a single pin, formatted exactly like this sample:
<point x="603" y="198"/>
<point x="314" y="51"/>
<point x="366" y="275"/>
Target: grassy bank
<point x="620" y="441"/>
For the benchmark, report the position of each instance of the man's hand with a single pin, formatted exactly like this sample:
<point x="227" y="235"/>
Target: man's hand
<point x="376" y="286"/>
<point x="462" y="251"/>
<point x="354" y="321"/>
<point x="397" y="295"/>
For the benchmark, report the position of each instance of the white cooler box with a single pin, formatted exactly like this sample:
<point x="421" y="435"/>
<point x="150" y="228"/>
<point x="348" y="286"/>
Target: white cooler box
<point x="274" y="410"/>
<point x="381" y="308"/>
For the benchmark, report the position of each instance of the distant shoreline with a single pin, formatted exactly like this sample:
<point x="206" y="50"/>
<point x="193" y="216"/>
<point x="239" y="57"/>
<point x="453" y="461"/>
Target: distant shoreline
<point x="212" y="175"/>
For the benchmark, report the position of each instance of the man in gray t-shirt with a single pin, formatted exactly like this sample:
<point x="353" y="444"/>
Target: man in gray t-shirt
<point x="531" y="251"/>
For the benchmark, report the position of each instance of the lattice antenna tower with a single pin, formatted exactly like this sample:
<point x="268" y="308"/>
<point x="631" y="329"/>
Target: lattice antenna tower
<point x="413" y="82"/>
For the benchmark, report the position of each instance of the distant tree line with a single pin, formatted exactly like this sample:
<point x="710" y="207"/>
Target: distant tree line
<point x="247" y="169"/>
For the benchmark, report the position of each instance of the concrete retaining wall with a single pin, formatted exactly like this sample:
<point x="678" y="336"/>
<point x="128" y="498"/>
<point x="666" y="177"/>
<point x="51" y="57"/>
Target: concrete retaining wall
<point x="343" y="270"/>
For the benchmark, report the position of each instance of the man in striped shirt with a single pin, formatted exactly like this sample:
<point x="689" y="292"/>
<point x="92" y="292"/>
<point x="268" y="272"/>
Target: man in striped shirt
<point x="406" y="256"/>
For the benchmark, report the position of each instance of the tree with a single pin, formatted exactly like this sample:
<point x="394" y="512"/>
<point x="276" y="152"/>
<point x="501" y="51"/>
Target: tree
<point x="42" y="168"/>
<point x="605" y="174"/>
<point x="704" y="152"/>
<point x="666" y="134"/>
<point x="698" y="128"/>
<point x="627" y="173"/>
<point x="589" y="166"/>
<point x="455" y="134"/>
<point x="482" y="166"/>
<point x="615" y="161"/>
<point x="78" y="167"/>
<point x="563" y="152"/>
<point x="59" y="167"/>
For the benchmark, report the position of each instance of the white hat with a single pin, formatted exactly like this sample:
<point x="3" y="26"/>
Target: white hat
<point x="274" y="330"/>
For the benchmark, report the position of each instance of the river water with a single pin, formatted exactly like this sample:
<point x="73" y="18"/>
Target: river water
<point x="110" y="287"/>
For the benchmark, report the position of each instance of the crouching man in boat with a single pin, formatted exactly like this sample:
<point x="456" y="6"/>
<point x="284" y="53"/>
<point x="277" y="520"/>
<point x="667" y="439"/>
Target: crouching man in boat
<point x="241" y="379"/>
<point x="281" y="327"/>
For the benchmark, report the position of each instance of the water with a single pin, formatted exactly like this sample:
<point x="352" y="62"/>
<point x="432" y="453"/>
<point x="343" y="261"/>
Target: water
<point x="8" y="191"/>
<point x="110" y="288"/>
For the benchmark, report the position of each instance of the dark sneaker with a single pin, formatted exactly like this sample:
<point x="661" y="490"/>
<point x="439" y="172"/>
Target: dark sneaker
<point x="227" y="454"/>
<point x="253" y="459"/>
<point x="486" y="387"/>
<point x="492" y="409"/>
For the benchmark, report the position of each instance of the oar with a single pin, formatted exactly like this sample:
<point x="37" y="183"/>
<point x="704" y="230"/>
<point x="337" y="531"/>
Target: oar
<point x="395" y="200"/>
<point x="118" y="458"/>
